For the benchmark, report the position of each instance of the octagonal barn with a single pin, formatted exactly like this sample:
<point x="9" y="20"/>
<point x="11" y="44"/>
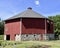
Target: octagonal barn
<point x="28" y="25"/>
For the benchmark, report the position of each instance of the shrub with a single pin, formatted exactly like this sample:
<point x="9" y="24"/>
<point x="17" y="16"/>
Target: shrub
<point x="8" y="47"/>
<point x="1" y="37"/>
<point x="34" y="46"/>
<point x="4" y="43"/>
<point x="0" y="42"/>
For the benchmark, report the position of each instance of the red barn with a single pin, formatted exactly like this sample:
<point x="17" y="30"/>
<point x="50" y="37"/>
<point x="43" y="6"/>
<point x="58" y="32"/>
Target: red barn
<point x="28" y="25"/>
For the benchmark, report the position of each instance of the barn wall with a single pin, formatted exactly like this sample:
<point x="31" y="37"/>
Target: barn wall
<point x="12" y="27"/>
<point x="33" y="26"/>
<point x="37" y="26"/>
<point x="30" y="27"/>
<point x="51" y="31"/>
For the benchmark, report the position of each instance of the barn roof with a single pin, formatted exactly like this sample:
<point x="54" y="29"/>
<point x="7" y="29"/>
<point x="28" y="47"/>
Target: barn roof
<point x="29" y="13"/>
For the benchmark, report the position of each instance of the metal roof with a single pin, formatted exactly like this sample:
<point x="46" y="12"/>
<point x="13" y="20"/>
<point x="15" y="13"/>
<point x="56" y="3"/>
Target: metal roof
<point x="29" y="13"/>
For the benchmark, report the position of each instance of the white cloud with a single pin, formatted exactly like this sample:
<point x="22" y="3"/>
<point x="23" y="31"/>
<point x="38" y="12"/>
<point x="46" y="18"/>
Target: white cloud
<point x="37" y="2"/>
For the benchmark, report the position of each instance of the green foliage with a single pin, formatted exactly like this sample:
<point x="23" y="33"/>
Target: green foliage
<point x="4" y="43"/>
<point x="1" y="27"/>
<point x="56" y="20"/>
<point x="9" y="43"/>
<point x="32" y="44"/>
<point x="8" y="47"/>
<point x="0" y="42"/>
<point x="1" y="37"/>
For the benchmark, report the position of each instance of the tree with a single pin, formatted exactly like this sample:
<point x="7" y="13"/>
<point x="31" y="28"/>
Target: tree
<point x="56" y="20"/>
<point x="1" y="27"/>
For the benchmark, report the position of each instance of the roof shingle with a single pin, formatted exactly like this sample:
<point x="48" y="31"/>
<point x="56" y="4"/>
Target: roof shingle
<point x="29" y="13"/>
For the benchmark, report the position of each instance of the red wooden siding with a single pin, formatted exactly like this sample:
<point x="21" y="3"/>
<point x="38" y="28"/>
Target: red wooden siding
<point x="33" y="26"/>
<point x="29" y="26"/>
<point x="51" y="28"/>
<point x="12" y="27"/>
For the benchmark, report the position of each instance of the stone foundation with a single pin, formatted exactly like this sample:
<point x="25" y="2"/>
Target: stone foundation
<point x="50" y="36"/>
<point x="32" y="37"/>
<point x="37" y="37"/>
<point x="17" y="37"/>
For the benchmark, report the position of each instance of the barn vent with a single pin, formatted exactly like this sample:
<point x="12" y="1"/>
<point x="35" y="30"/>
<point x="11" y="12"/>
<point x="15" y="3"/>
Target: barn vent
<point x="30" y="8"/>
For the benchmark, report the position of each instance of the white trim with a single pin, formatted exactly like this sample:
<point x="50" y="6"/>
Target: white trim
<point x="45" y="29"/>
<point x="20" y="27"/>
<point x="4" y="37"/>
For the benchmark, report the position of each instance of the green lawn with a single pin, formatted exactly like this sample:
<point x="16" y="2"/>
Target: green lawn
<point x="24" y="44"/>
<point x="1" y="37"/>
<point x="53" y="44"/>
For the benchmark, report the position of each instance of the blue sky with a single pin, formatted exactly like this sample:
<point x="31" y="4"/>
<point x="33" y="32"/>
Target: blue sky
<point x="10" y="8"/>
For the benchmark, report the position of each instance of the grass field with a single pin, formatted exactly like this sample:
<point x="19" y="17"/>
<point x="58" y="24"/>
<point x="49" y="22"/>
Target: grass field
<point x="24" y="44"/>
<point x="1" y="37"/>
<point x="53" y="44"/>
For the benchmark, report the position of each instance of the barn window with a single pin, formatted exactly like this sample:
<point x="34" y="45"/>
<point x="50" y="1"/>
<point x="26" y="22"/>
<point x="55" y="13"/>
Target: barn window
<point x="15" y="34"/>
<point x="34" y="35"/>
<point x="48" y="26"/>
<point x="26" y="35"/>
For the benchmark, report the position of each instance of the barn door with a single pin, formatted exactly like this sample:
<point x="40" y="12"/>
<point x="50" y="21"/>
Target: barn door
<point x="7" y="37"/>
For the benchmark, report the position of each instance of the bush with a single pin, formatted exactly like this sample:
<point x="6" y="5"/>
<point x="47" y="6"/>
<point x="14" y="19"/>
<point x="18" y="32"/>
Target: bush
<point x="59" y="37"/>
<point x="1" y="37"/>
<point x="0" y="42"/>
<point x="11" y="43"/>
<point x="8" y="47"/>
<point x="4" y="43"/>
<point x="34" y="46"/>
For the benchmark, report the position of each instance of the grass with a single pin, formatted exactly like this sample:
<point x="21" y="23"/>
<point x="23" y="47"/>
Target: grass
<point x="53" y="44"/>
<point x="1" y="37"/>
<point x="24" y="44"/>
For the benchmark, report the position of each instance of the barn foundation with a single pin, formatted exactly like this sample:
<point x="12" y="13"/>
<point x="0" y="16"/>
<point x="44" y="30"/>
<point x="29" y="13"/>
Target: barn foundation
<point x="37" y="37"/>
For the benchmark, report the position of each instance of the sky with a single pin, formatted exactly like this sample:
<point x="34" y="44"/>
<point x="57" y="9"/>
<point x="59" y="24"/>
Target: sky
<point x="9" y="8"/>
